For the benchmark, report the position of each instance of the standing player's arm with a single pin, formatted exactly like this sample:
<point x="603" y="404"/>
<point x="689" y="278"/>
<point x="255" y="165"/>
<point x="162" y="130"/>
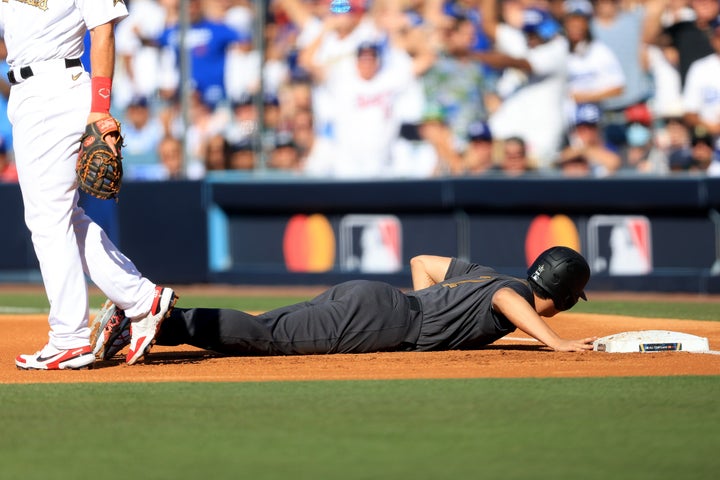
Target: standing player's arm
<point x="523" y="316"/>
<point x="427" y="270"/>
<point x="102" y="66"/>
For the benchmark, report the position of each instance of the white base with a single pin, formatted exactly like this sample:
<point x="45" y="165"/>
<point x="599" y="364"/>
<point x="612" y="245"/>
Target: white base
<point x="646" y="341"/>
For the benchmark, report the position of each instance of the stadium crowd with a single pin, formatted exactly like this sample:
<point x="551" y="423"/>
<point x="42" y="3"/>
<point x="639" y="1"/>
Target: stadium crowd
<point x="353" y="89"/>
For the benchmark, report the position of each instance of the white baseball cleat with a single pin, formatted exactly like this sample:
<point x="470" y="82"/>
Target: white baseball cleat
<point x="144" y="330"/>
<point x="51" y="358"/>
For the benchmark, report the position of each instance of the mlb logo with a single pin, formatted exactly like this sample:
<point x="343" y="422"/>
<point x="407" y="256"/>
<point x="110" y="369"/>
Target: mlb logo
<point x="620" y="244"/>
<point x="370" y="243"/>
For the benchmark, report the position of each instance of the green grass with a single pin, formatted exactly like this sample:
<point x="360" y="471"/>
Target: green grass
<point x="38" y="302"/>
<point x="640" y="428"/>
<point x="691" y="309"/>
<point x="30" y="301"/>
<point x="696" y="310"/>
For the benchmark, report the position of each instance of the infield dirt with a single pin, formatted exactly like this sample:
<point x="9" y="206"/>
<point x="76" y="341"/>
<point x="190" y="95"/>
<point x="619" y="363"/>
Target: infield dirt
<point x="515" y="356"/>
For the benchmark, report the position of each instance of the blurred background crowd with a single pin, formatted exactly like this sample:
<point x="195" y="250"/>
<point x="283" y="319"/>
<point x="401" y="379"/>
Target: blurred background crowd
<point x="356" y="89"/>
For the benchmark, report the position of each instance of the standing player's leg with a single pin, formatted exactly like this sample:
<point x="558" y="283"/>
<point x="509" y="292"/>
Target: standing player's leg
<point x="68" y="244"/>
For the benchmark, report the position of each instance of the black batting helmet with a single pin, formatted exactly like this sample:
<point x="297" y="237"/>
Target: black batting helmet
<point x="562" y="273"/>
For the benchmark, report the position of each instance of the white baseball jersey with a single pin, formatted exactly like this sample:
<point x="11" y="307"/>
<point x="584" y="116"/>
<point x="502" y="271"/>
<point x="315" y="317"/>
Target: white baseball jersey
<point x="39" y="30"/>
<point x="333" y="51"/>
<point x="701" y="93"/>
<point x="365" y="121"/>
<point x="593" y="69"/>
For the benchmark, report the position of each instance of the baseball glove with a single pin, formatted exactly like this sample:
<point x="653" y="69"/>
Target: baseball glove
<point x="99" y="164"/>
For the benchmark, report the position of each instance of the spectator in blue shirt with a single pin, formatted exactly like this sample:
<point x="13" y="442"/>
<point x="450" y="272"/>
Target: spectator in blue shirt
<point x="208" y="43"/>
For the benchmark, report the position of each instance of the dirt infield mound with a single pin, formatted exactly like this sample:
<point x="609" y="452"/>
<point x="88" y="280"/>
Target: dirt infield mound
<point x="515" y="356"/>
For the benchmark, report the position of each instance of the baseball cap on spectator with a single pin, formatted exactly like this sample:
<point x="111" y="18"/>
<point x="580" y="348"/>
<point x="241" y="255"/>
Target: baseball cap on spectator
<point x="639" y="113"/>
<point x="138" y="101"/>
<point x="241" y="145"/>
<point x="582" y="8"/>
<point x="244" y="100"/>
<point x="271" y="99"/>
<point x="479" y="132"/>
<point x="368" y="47"/>
<point x="539" y="22"/>
<point x="679" y="160"/>
<point x="587" y="114"/>
<point x="284" y="139"/>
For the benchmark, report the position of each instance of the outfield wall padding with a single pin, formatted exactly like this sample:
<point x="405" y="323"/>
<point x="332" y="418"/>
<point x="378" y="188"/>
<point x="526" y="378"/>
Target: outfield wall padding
<point x="639" y="234"/>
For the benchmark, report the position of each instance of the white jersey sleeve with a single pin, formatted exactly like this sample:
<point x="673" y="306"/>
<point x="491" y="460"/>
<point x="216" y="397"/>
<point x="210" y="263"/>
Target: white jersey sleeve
<point x="46" y="30"/>
<point x="99" y="12"/>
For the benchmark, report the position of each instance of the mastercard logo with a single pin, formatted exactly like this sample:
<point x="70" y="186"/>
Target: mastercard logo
<point x="309" y="244"/>
<point x="546" y="231"/>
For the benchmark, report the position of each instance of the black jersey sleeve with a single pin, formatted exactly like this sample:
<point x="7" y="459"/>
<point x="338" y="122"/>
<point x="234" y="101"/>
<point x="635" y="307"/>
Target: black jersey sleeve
<point x="459" y="267"/>
<point x="523" y="289"/>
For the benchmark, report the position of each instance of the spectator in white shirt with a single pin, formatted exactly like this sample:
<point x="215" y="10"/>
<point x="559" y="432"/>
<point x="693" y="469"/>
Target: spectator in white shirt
<point x="701" y="93"/>
<point x="594" y="72"/>
<point x="534" y="111"/>
<point x="364" y="96"/>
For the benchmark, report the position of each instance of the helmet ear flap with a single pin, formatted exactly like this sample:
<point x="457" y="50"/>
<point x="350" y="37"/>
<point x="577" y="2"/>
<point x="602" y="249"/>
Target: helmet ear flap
<point x="565" y="303"/>
<point x="561" y="302"/>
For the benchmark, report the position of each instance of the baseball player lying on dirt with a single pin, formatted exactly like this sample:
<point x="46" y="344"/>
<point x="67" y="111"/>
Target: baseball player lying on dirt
<point x="454" y="305"/>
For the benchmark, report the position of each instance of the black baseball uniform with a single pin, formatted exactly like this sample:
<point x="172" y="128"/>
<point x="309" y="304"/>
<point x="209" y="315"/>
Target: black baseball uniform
<point x="359" y="316"/>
